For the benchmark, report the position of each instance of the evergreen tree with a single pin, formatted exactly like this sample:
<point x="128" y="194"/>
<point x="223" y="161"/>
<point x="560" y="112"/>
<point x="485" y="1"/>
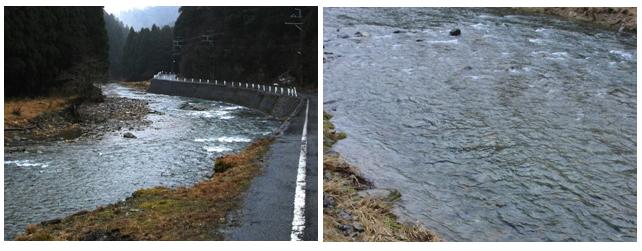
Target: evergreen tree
<point x="117" y="34"/>
<point x="147" y="52"/>
<point x="250" y="44"/>
<point x="54" y="49"/>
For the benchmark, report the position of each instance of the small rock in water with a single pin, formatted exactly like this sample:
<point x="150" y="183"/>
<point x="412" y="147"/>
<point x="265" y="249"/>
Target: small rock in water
<point x="360" y="34"/>
<point x="129" y="135"/>
<point x="419" y="40"/>
<point x="397" y="31"/>
<point x="455" y="32"/>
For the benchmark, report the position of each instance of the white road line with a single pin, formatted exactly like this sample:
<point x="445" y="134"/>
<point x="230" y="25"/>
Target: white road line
<point x="298" y="221"/>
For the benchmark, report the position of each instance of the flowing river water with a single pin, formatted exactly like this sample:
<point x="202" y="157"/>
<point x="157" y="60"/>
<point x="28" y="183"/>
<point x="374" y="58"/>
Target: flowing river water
<point x="521" y="129"/>
<point x="56" y="179"/>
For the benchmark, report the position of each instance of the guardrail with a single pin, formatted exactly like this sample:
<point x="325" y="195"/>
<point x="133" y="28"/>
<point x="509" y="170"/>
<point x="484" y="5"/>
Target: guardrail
<point x="271" y="89"/>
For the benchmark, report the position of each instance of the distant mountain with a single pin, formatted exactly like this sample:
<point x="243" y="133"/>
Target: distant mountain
<point x="145" y="18"/>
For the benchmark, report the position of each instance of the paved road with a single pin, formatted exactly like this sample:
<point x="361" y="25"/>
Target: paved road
<point x="269" y="204"/>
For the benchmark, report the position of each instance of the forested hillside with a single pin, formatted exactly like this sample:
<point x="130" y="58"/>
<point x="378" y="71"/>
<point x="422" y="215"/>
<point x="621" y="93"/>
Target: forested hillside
<point x="137" y="55"/>
<point x="247" y="44"/>
<point x="54" y="49"/>
<point x="117" y="33"/>
<point x="67" y="49"/>
<point x="147" y="52"/>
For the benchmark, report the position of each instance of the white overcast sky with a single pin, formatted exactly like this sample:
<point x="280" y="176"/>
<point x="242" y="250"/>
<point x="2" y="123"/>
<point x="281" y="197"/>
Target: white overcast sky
<point x="115" y="9"/>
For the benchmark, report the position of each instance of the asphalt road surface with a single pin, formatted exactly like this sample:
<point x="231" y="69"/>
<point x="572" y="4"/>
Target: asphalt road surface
<point x="268" y="206"/>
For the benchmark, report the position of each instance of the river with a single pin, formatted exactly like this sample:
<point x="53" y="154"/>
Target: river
<point x="521" y="129"/>
<point x="56" y="179"/>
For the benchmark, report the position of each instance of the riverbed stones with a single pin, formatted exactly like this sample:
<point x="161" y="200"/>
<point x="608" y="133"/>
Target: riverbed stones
<point x="51" y="222"/>
<point x="106" y="235"/>
<point x="358" y="227"/>
<point x="455" y="32"/>
<point x="348" y="230"/>
<point x="345" y="215"/>
<point x="194" y="106"/>
<point x="129" y="135"/>
<point x="328" y="202"/>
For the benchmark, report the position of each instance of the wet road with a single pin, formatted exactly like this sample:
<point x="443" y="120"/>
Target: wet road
<point x="521" y="129"/>
<point x="268" y="206"/>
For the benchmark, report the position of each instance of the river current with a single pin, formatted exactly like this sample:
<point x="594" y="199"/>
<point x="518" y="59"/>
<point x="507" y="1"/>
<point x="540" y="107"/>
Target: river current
<point x="56" y="179"/>
<point x="521" y="129"/>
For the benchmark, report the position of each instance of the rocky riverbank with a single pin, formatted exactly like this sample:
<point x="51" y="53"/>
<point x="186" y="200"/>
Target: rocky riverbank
<point x="70" y="119"/>
<point x="353" y="209"/>
<point x="621" y="19"/>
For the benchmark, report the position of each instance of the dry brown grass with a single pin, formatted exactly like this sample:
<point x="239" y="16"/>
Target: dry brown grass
<point x="19" y="112"/>
<point x="139" y="85"/>
<point x="615" y="18"/>
<point x="341" y="182"/>
<point x="189" y="213"/>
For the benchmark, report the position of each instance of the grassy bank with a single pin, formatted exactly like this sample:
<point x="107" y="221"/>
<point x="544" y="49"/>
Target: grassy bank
<point x="189" y="213"/>
<point x="20" y="111"/>
<point x="352" y="214"/>
<point x="40" y="118"/>
<point x="614" y="18"/>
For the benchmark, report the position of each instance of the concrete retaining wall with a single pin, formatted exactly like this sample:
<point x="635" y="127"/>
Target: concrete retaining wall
<point x="280" y="106"/>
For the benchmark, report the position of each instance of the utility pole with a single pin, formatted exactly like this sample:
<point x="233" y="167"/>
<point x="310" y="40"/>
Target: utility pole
<point x="177" y="45"/>
<point x="296" y="19"/>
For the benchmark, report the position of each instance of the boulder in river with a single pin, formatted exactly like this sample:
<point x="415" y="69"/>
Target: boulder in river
<point x="129" y="135"/>
<point x="194" y="106"/>
<point x="360" y="34"/>
<point x="455" y="32"/>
